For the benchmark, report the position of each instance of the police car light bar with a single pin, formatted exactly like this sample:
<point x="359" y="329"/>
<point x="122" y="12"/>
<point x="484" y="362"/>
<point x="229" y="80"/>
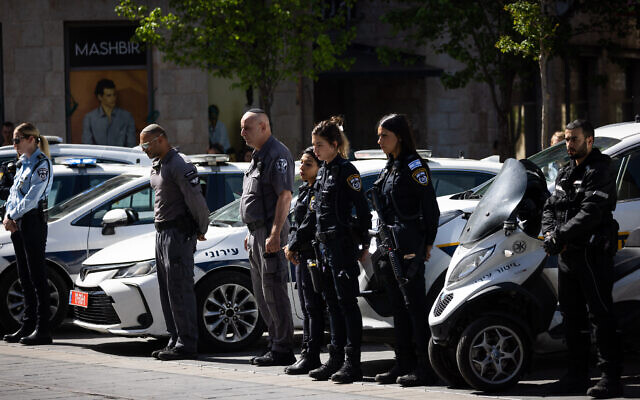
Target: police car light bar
<point x="376" y="154"/>
<point x="77" y="162"/>
<point x="208" y="159"/>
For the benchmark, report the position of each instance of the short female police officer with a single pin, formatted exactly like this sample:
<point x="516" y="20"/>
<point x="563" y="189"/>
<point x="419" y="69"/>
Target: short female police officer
<point x="339" y="190"/>
<point x="409" y="206"/>
<point x="26" y="219"/>
<point x="299" y="250"/>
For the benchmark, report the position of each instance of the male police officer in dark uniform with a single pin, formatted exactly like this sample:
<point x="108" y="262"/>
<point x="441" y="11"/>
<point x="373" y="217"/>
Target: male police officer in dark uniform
<point x="578" y="224"/>
<point x="266" y="196"/>
<point x="181" y="217"/>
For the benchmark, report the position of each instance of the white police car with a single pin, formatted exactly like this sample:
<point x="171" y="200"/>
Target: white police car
<point x="115" y="209"/>
<point x="118" y="290"/>
<point x="103" y="154"/>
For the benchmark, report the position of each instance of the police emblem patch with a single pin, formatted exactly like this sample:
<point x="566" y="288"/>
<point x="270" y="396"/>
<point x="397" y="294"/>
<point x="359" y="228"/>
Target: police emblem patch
<point x="415" y="164"/>
<point x="312" y="203"/>
<point x="43" y="173"/>
<point x="354" y="182"/>
<point x="420" y="175"/>
<point x="281" y="165"/>
<point x="194" y="181"/>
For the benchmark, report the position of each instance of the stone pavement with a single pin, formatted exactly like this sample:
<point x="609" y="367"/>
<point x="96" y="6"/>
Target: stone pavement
<point x="83" y="365"/>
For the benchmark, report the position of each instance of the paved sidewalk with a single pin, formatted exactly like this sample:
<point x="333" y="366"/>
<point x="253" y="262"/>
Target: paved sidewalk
<point x="84" y="365"/>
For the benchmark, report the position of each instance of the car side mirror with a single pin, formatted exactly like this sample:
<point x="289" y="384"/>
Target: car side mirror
<point x="117" y="217"/>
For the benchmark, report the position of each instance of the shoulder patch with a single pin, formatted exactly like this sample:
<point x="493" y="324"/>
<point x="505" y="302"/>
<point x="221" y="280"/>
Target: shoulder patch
<point x="415" y="164"/>
<point x="281" y="165"/>
<point x="312" y="203"/>
<point x="420" y="175"/>
<point x="43" y="173"/>
<point x="354" y="182"/>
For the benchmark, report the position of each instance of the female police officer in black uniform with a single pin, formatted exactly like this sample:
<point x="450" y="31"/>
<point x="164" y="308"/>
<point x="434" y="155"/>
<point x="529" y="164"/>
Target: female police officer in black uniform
<point x="25" y="218"/>
<point x="339" y="190"/>
<point x="299" y="250"/>
<point x="410" y="208"/>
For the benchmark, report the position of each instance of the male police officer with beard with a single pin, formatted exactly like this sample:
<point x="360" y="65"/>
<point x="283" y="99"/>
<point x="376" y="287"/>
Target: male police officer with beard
<point x="181" y="217"/>
<point x="578" y="225"/>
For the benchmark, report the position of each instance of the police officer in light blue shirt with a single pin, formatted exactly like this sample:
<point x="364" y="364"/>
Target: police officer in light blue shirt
<point x="26" y="219"/>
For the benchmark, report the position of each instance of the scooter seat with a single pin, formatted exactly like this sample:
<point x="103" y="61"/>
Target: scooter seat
<point x="626" y="261"/>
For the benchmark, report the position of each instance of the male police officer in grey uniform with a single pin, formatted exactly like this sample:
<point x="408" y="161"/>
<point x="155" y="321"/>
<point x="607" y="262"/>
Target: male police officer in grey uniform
<point x="181" y="216"/>
<point x="266" y="197"/>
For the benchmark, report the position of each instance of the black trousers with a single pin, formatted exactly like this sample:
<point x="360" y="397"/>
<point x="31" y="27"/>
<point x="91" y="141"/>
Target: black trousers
<point x="174" y="265"/>
<point x="410" y="323"/>
<point x="313" y="306"/>
<point x="585" y="282"/>
<point x="29" y="243"/>
<point x="341" y="291"/>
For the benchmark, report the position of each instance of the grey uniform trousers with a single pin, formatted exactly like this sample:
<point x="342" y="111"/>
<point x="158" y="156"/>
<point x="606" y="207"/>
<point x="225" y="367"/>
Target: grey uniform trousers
<point x="174" y="263"/>
<point x="269" y="278"/>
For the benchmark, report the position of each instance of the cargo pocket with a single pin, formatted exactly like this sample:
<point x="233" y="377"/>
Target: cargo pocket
<point x="271" y="263"/>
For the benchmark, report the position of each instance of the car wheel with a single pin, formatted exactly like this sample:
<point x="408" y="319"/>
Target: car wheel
<point x="492" y="353"/>
<point x="12" y="299"/>
<point x="443" y="361"/>
<point x="228" y="316"/>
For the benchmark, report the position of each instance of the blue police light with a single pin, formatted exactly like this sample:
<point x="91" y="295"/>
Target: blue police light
<point x="80" y="162"/>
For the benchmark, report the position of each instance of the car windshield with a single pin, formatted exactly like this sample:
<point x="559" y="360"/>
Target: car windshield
<point x="550" y="161"/>
<point x="229" y="215"/>
<point x="62" y="209"/>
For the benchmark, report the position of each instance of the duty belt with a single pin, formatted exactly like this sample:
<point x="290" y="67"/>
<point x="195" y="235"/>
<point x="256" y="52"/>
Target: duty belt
<point x="257" y="224"/>
<point x="324" y="237"/>
<point x="179" y="223"/>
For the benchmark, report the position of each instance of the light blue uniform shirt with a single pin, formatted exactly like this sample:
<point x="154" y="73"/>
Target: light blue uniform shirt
<point x="32" y="183"/>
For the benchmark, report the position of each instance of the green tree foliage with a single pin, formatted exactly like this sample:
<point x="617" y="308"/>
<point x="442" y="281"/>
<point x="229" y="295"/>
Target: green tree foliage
<point x="258" y="42"/>
<point x="546" y="28"/>
<point x="467" y="31"/>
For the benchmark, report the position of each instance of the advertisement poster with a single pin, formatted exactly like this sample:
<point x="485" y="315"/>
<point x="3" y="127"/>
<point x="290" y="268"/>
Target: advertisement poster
<point x="105" y="52"/>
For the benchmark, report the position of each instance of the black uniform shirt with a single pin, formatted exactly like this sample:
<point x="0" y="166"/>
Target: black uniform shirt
<point x="177" y="188"/>
<point x="409" y="200"/>
<point x="305" y="220"/>
<point x="583" y="200"/>
<point x="270" y="172"/>
<point x="339" y="190"/>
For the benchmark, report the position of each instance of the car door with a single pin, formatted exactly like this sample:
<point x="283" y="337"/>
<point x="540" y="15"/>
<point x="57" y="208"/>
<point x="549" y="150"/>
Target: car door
<point x="627" y="211"/>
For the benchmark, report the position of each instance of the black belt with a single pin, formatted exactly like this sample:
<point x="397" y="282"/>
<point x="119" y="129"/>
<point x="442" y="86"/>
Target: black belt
<point x="253" y="226"/>
<point x="181" y="223"/>
<point x="324" y="237"/>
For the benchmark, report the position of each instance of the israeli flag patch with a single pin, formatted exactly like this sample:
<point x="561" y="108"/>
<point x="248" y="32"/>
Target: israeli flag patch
<point x="415" y="164"/>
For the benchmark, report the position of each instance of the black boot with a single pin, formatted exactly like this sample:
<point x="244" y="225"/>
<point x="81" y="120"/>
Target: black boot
<point x="308" y="360"/>
<point x="324" y="372"/>
<point x="25" y="330"/>
<point x="350" y="371"/>
<point x="37" y="337"/>
<point x="606" y="388"/>
<point x="421" y="375"/>
<point x="399" y="368"/>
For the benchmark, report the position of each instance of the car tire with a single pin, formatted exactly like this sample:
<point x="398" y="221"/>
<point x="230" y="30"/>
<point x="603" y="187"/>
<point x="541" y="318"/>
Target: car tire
<point x="12" y="300"/>
<point x="443" y="362"/>
<point x="228" y="316"/>
<point x="492" y="353"/>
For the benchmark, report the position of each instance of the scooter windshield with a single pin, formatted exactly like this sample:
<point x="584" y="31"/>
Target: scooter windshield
<point x="497" y="205"/>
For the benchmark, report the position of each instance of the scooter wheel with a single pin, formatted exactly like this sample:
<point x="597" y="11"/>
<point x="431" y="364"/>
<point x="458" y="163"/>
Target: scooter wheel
<point x="492" y="353"/>
<point x="443" y="362"/>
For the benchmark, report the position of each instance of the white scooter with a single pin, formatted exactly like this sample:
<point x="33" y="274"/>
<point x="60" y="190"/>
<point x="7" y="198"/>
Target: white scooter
<point x="500" y="293"/>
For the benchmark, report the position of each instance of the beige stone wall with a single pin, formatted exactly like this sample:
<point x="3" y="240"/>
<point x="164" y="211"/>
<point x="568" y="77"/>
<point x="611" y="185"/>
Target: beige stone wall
<point x="34" y="70"/>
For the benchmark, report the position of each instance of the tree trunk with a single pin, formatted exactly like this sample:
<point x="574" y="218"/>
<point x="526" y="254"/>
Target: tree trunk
<point x="546" y="101"/>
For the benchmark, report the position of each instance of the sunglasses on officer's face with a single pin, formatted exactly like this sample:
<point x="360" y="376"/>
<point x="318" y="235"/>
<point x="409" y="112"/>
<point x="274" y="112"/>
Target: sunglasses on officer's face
<point x="146" y="145"/>
<point x="17" y="140"/>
